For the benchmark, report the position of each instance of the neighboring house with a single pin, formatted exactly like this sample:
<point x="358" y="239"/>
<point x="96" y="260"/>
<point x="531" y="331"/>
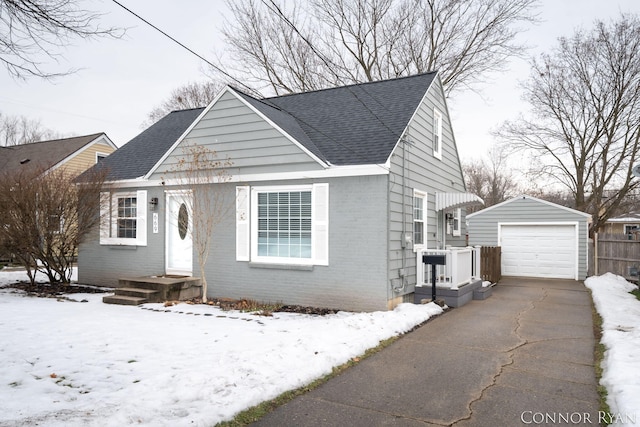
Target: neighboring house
<point x="75" y="154"/>
<point x="537" y="238"/>
<point x="334" y="191"/>
<point x="622" y="224"/>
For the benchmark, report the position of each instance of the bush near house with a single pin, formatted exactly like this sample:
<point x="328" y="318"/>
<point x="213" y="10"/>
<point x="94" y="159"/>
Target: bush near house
<point x="45" y="215"/>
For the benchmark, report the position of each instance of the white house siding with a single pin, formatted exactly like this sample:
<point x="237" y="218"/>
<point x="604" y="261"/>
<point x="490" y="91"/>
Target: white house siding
<point x="426" y="173"/>
<point x="102" y="265"/>
<point x="235" y="132"/>
<point x="355" y="278"/>
<point x="483" y="225"/>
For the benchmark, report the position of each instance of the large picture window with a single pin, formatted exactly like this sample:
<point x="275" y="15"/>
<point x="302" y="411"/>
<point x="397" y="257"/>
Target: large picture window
<point x="284" y="224"/>
<point x="123" y="218"/>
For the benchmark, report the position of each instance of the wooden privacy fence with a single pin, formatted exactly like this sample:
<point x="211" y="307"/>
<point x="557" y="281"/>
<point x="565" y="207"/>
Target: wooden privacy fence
<point x="490" y="262"/>
<point x="618" y="254"/>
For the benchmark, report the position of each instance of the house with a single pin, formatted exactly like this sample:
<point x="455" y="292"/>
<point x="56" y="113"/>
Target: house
<point x="622" y="224"/>
<point x="537" y="238"/>
<point x="75" y="154"/>
<point x="335" y="190"/>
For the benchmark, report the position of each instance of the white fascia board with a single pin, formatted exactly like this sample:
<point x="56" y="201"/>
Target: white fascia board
<point x="406" y="129"/>
<point x="332" y="172"/>
<point x="186" y="132"/>
<point x="104" y="138"/>
<point x="279" y="129"/>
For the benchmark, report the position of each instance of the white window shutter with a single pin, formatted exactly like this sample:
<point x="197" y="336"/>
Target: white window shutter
<point x="105" y="217"/>
<point x="141" y="228"/>
<point x="243" y="241"/>
<point x="320" y="217"/>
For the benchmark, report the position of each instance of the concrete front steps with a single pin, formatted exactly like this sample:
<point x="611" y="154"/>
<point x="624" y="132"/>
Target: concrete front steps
<point x="141" y="290"/>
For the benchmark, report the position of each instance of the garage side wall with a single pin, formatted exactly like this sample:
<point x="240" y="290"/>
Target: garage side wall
<point x="483" y="225"/>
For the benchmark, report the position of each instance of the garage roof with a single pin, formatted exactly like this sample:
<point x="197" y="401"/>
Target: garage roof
<point x="524" y="196"/>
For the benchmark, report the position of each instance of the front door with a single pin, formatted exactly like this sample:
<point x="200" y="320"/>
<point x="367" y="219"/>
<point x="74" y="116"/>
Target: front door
<point x="179" y="243"/>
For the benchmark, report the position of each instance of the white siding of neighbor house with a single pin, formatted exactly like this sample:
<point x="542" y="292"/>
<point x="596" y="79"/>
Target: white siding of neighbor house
<point x="236" y="132"/>
<point x="425" y="173"/>
<point x="483" y="225"/>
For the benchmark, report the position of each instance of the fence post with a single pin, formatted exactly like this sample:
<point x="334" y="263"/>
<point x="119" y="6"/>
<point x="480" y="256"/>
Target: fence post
<point x="595" y="253"/>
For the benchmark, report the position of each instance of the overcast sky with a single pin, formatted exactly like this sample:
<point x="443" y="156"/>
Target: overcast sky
<point x="121" y="81"/>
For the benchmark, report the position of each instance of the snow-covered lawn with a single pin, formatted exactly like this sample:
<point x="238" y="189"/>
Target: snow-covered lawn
<point x="66" y="363"/>
<point x="620" y="312"/>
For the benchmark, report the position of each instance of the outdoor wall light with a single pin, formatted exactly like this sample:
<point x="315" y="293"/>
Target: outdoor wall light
<point x="154" y="203"/>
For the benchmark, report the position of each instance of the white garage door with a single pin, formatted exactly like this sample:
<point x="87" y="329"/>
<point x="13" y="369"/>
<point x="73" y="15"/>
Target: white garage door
<point x="539" y="250"/>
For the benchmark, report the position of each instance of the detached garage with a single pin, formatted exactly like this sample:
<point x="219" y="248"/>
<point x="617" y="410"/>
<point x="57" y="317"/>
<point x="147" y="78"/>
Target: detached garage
<point x="538" y="238"/>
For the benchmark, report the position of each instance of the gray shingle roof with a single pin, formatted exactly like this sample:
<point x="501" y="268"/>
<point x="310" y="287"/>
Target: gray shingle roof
<point x="138" y="156"/>
<point x="44" y="154"/>
<point x="357" y="124"/>
<point x="349" y="125"/>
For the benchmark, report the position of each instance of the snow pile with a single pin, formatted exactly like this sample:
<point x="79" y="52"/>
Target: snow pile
<point x="620" y="312"/>
<point x="71" y="363"/>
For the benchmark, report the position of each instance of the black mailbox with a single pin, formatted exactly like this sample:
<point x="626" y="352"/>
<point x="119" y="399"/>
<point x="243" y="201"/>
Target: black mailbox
<point x="433" y="259"/>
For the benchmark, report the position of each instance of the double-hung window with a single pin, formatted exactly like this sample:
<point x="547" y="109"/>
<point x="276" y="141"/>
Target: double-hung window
<point x="454" y="225"/>
<point x="437" y="134"/>
<point x="283" y="224"/>
<point x="419" y="201"/>
<point x="123" y="218"/>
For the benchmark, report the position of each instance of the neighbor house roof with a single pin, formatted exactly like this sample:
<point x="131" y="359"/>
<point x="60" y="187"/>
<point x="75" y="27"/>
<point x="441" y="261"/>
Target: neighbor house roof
<point x="44" y="154"/>
<point x="628" y="217"/>
<point x="348" y="125"/>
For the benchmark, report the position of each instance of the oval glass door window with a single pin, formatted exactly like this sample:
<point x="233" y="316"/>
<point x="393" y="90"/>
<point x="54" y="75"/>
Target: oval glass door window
<point x="183" y="221"/>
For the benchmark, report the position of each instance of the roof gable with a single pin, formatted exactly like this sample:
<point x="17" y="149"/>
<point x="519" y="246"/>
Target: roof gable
<point x="234" y="126"/>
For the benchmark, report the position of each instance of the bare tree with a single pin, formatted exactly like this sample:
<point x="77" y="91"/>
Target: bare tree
<point x="323" y="43"/>
<point x="584" y="125"/>
<point x="32" y="29"/>
<point x="191" y="95"/>
<point x="16" y="130"/>
<point x="45" y="216"/>
<point x="200" y="172"/>
<point x="493" y="181"/>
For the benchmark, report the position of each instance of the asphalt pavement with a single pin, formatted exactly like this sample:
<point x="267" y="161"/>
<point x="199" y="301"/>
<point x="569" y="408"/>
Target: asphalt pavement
<point x="524" y="356"/>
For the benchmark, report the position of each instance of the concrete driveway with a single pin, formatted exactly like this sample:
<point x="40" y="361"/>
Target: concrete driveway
<point x="522" y="357"/>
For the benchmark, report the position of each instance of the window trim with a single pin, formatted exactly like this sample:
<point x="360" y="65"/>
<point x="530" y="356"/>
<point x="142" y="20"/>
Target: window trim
<point x="437" y="134"/>
<point x="629" y="228"/>
<point x="100" y="154"/>
<point x="109" y="218"/>
<point x="423" y="195"/>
